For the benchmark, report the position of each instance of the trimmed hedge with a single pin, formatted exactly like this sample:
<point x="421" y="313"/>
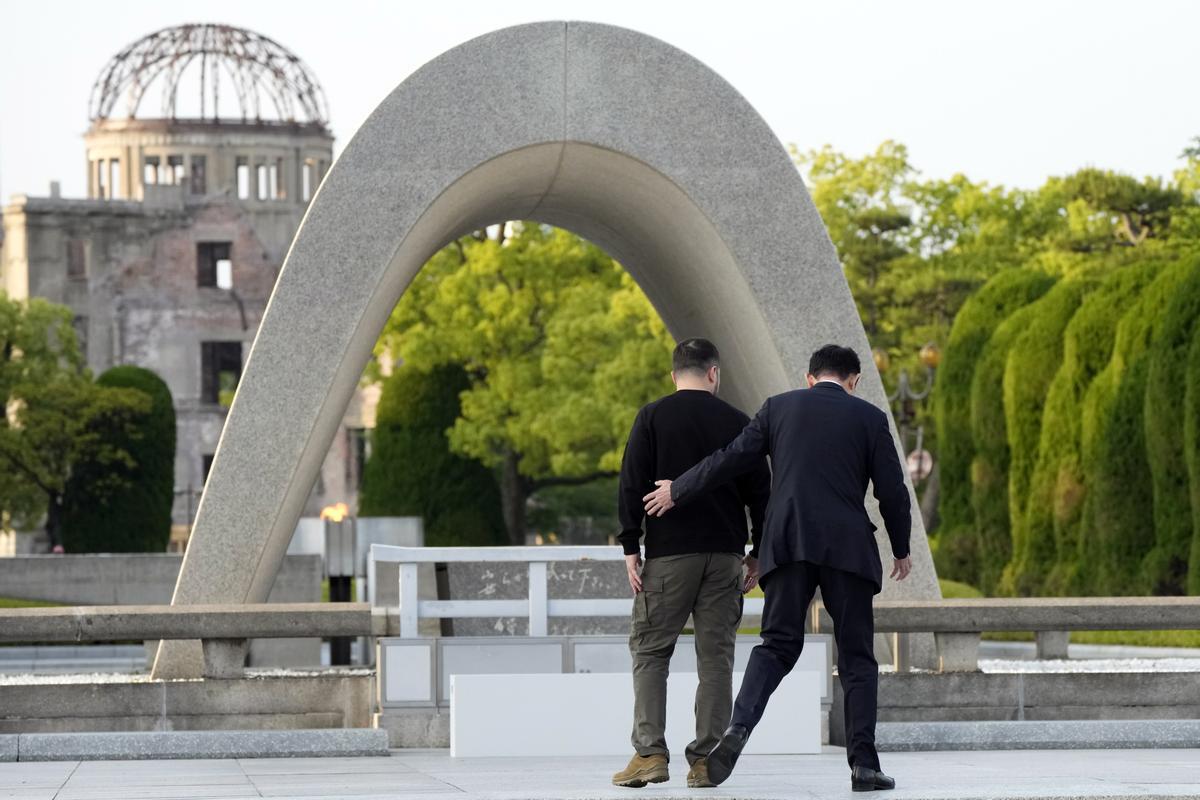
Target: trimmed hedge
<point x="411" y="471"/>
<point x="1118" y="509"/>
<point x="973" y="327"/>
<point x="1053" y="508"/>
<point x="1030" y="367"/>
<point x="1191" y="441"/>
<point x="1165" y="568"/>
<point x="990" y="466"/>
<point x="136" y="519"/>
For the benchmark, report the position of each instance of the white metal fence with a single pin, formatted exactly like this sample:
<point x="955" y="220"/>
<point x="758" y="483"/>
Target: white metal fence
<point x="538" y="606"/>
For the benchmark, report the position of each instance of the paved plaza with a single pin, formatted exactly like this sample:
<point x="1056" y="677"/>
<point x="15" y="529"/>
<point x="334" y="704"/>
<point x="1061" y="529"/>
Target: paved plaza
<point x="413" y="774"/>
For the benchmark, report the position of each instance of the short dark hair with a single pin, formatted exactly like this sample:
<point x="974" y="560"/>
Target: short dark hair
<point x="833" y="359"/>
<point x="695" y="355"/>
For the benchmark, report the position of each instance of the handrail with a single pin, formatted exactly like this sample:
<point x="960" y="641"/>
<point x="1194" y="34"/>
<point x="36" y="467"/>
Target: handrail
<point x="227" y="621"/>
<point x="276" y="620"/>
<point x="960" y="616"/>
<point x="956" y="624"/>
<point x="976" y="615"/>
<point x="528" y="553"/>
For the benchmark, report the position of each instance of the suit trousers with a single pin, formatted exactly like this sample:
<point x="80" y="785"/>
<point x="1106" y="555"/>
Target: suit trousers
<point x="706" y="587"/>
<point x="789" y="590"/>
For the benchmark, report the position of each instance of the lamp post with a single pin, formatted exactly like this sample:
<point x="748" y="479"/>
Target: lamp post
<point x="904" y="407"/>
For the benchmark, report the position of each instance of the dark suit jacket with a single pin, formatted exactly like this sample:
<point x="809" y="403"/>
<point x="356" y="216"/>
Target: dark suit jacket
<point x="825" y="445"/>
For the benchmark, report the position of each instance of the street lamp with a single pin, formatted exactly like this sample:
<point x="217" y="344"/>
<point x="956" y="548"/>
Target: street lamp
<point x="904" y="400"/>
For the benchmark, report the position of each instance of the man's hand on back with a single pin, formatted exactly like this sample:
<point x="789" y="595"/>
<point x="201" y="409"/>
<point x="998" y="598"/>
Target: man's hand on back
<point x="659" y="501"/>
<point x="751" y="573"/>
<point x="901" y="567"/>
<point x="633" y="566"/>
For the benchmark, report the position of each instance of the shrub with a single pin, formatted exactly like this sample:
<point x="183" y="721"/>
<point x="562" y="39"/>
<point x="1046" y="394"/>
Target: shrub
<point x="1030" y="365"/>
<point x="411" y="470"/>
<point x="1053" y="508"/>
<point x="1191" y="441"/>
<point x="973" y="327"/>
<point x="1118" y="509"/>
<point x="1166" y="565"/>
<point x="990" y="466"/>
<point x="136" y="518"/>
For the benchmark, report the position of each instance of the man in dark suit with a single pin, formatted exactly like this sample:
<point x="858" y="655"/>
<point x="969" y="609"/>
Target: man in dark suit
<point x="825" y="445"/>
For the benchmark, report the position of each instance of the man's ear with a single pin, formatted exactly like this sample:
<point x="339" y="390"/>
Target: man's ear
<point x="673" y="379"/>
<point x="712" y="373"/>
<point x="854" y="379"/>
<point x="812" y="380"/>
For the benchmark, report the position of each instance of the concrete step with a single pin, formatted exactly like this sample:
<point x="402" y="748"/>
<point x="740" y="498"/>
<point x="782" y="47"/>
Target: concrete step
<point x="1037" y="735"/>
<point x="144" y="745"/>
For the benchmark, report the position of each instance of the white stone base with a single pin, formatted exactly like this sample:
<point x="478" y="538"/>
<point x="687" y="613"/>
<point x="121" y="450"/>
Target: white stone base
<point x="592" y="715"/>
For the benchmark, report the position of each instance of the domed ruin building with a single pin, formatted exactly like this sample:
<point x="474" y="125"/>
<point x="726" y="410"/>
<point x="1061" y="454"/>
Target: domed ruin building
<point x="205" y="145"/>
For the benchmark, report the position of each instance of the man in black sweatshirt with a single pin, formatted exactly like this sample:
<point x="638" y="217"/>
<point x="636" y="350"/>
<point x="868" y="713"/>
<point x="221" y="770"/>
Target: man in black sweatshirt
<point x="826" y="447"/>
<point x="694" y="560"/>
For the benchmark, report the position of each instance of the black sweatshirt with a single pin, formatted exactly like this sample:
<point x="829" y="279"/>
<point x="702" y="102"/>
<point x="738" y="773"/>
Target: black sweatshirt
<point x="669" y="436"/>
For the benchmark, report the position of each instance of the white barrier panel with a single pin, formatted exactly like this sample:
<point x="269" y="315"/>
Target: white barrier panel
<point x="404" y="682"/>
<point x="592" y="715"/>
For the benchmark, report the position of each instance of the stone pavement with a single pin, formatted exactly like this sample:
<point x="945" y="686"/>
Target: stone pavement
<point x="415" y="774"/>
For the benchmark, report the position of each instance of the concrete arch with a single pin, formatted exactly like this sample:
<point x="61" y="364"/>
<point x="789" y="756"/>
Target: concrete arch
<point x="611" y="133"/>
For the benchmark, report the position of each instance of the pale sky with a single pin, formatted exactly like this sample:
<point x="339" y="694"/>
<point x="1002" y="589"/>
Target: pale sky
<point x="1008" y="92"/>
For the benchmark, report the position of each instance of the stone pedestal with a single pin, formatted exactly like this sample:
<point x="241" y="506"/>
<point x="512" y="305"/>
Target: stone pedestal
<point x="957" y="652"/>
<point x="1053" y="644"/>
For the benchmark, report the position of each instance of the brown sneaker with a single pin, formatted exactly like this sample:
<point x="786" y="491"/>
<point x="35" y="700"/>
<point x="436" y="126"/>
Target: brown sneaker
<point x="698" y="775"/>
<point x="642" y="770"/>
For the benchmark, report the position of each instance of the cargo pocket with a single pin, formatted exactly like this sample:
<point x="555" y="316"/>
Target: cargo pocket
<point x="647" y="600"/>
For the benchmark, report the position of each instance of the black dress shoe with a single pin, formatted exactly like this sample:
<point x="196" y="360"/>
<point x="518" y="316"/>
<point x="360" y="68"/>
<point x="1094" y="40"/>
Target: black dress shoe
<point x="865" y="779"/>
<point x="725" y="755"/>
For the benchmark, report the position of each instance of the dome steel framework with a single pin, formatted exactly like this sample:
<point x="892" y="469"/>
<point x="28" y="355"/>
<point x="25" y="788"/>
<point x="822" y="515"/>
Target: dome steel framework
<point x="264" y="76"/>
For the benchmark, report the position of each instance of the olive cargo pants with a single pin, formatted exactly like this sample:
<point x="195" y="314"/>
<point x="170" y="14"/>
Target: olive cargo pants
<point x="707" y="586"/>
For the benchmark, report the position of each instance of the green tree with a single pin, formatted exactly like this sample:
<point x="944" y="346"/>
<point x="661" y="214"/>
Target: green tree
<point x="559" y="344"/>
<point x="957" y="545"/>
<point x="55" y="425"/>
<point x="1105" y="208"/>
<point x="37" y="340"/>
<point x="411" y="470"/>
<point x="1053" y="508"/>
<point x="862" y="204"/>
<point x="1166" y="565"/>
<point x="136" y="517"/>
<point x="52" y="412"/>
<point x="1119" y="503"/>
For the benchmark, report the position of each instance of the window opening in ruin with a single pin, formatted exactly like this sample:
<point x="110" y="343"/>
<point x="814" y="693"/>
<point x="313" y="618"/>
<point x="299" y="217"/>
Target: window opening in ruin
<point x="220" y="371"/>
<point x="101" y="180"/>
<point x="263" y="186"/>
<point x="76" y="259"/>
<point x="199" y="184"/>
<point x="243" y="178"/>
<point x="306" y="180"/>
<point x="214" y="264"/>
<point x="114" y="178"/>
<point x="150" y="172"/>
